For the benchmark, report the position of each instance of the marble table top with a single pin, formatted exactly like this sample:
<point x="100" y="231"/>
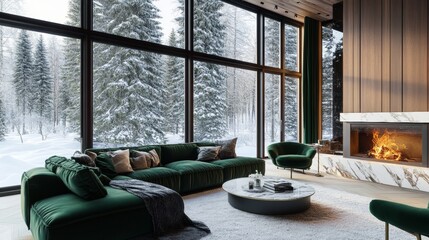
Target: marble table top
<point x="239" y="186"/>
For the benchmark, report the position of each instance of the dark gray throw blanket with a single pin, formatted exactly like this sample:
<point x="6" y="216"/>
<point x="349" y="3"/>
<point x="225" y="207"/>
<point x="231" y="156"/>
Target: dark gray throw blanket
<point x="164" y="205"/>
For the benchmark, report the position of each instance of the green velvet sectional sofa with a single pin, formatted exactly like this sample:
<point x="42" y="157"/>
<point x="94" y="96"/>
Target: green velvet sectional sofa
<point x="52" y="211"/>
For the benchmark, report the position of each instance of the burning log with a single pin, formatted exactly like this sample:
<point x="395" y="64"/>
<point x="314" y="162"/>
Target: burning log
<point x="385" y="147"/>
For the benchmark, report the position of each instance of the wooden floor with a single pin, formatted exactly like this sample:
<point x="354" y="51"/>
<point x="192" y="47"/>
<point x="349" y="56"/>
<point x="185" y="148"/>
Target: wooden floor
<point x="12" y="226"/>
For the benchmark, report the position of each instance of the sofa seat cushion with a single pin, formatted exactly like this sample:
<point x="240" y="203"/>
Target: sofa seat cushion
<point x="294" y="161"/>
<point x="240" y="167"/>
<point x="161" y="175"/>
<point x="119" y="215"/>
<point x="196" y="175"/>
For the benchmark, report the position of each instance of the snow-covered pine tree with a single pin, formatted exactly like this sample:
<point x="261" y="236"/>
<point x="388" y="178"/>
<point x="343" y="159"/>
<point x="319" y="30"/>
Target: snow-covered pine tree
<point x="42" y="92"/>
<point x="56" y="61"/>
<point x="327" y="75"/>
<point x="3" y="129"/>
<point x="209" y="79"/>
<point x="129" y="87"/>
<point x="272" y="93"/>
<point x="70" y="76"/>
<point x="291" y="84"/>
<point x="22" y="77"/>
<point x="174" y="79"/>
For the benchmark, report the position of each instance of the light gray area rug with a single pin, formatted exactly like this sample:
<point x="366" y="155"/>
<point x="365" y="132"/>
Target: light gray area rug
<point x="332" y="215"/>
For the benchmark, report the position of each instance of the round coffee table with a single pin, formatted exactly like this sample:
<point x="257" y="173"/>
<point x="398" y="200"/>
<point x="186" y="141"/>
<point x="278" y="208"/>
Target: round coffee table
<point x="265" y="202"/>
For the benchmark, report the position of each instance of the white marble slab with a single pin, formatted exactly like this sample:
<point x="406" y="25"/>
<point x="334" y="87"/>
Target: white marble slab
<point x="386" y="173"/>
<point x="403" y="117"/>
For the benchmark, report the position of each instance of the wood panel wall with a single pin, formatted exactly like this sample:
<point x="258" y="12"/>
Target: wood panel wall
<point x="385" y="56"/>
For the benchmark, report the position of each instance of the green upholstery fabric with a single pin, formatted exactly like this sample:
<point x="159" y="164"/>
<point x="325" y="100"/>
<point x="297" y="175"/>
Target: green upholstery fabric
<point x="408" y="218"/>
<point x="177" y="152"/>
<point x="240" y="167"/>
<point x="53" y="162"/>
<point x="67" y="217"/>
<point x="294" y="161"/>
<point x="167" y="177"/>
<point x="80" y="179"/>
<point x="196" y="175"/>
<point x="311" y="79"/>
<point x="37" y="184"/>
<point x="104" y="162"/>
<point x="291" y="154"/>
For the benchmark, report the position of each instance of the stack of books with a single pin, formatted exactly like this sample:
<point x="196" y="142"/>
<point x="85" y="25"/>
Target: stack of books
<point x="277" y="185"/>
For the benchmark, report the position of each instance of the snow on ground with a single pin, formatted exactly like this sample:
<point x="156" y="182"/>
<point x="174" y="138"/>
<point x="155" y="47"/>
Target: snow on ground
<point x="17" y="157"/>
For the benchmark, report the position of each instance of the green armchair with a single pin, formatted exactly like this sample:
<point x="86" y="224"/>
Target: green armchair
<point x="291" y="155"/>
<point x="408" y="218"/>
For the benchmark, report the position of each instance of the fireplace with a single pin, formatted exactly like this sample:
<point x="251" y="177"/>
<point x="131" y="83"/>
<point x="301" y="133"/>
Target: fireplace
<point x="399" y="143"/>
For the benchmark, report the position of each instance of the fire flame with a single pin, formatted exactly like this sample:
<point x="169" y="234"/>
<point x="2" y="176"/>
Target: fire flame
<point x="384" y="147"/>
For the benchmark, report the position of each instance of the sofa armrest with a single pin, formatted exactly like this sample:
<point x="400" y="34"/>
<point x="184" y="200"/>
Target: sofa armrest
<point x="38" y="184"/>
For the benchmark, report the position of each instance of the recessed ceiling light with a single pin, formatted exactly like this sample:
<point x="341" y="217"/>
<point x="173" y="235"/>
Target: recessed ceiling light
<point x="276" y="7"/>
<point x="262" y="3"/>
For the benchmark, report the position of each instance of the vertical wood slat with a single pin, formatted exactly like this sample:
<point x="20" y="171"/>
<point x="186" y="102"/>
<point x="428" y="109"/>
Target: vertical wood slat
<point x="356" y="56"/>
<point x="415" y="62"/>
<point x="385" y="56"/>
<point x="396" y="56"/>
<point x="371" y="88"/>
<point x="348" y="57"/>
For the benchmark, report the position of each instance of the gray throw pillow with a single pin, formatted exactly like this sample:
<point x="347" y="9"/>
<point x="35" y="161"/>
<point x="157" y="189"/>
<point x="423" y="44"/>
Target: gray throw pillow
<point x="227" y="148"/>
<point x="208" y="153"/>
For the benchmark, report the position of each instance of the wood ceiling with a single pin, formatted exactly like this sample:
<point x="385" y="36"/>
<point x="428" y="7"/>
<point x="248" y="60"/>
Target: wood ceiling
<point x="298" y="9"/>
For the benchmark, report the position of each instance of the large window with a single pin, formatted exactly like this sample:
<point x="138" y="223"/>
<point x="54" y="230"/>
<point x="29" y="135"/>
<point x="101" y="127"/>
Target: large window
<point x="292" y="48"/>
<point x="144" y="72"/>
<point x="152" y="21"/>
<point x="272" y="42"/>
<point x="135" y="101"/>
<point x="272" y="109"/>
<point x="57" y="11"/>
<point x="332" y="97"/>
<point x="39" y="100"/>
<point x="225" y="105"/>
<point x="232" y="29"/>
<point x="291" y="123"/>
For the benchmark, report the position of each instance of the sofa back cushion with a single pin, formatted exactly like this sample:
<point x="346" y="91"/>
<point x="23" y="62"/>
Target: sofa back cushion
<point x="80" y="179"/>
<point x="176" y="152"/>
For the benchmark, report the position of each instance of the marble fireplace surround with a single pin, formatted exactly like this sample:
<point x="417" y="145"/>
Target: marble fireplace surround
<point x="405" y="176"/>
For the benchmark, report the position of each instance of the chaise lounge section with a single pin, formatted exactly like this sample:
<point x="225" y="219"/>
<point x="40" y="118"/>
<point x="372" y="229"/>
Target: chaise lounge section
<point x="52" y="209"/>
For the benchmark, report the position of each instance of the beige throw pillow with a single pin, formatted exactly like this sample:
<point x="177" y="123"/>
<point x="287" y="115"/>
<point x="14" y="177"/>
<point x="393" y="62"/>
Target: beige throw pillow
<point x="141" y="160"/>
<point x="121" y="161"/>
<point x="155" y="158"/>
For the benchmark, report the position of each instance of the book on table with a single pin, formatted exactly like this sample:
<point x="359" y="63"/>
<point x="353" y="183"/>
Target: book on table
<point x="277" y="183"/>
<point x="278" y="188"/>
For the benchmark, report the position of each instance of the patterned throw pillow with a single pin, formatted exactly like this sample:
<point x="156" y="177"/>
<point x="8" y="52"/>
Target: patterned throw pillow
<point x="144" y="160"/>
<point x="92" y="155"/>
<point x="227" y="148"/>
<point x="141" y="160"/>
<point x="208" y="153"/>
<point x="83" y="159"/>
<point x="121" y="161"/>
